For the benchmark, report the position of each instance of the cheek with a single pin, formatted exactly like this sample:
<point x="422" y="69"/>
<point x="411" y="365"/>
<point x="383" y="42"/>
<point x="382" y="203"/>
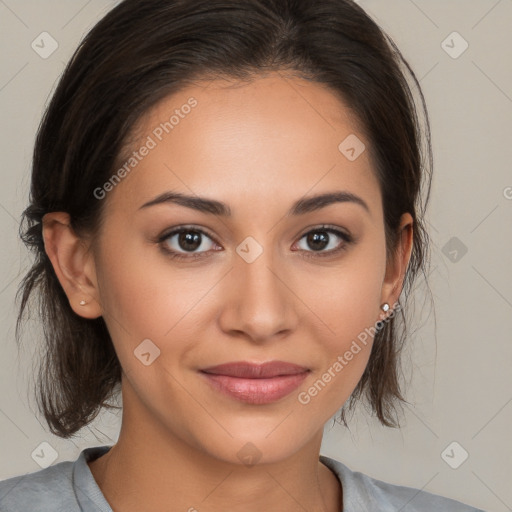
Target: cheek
<point x="142" y="297"/>
<point x="347" y="299"/>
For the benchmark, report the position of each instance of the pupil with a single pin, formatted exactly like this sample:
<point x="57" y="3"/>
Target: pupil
<point x="314" y="239"/>
<point x="188" y="238"/>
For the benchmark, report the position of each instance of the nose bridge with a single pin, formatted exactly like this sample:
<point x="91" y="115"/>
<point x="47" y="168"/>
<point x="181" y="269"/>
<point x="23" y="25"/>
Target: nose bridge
<point x="262" y="301"/>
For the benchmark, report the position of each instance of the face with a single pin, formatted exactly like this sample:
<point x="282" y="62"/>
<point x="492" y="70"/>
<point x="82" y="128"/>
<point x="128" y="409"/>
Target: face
<point x="268" y="282"/>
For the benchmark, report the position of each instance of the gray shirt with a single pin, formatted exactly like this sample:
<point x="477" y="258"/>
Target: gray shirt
<point x="70" y="487"/>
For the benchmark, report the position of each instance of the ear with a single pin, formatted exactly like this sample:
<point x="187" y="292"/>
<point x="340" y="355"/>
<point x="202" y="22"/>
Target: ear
<point x="73" y="264"/>
<point x="395" y="269"/>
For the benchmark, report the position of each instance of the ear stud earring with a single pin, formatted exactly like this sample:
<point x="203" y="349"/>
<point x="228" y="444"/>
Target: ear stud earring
<point x="385" y="306"/>
<point x="83" y="303"/>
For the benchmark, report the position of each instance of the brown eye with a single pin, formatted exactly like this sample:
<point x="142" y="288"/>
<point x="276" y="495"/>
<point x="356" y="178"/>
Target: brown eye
<point x="185" y="242"/>
<point x="324" y="240"/>
<point x="189" y="240"/>
<point x="318" y="240"/>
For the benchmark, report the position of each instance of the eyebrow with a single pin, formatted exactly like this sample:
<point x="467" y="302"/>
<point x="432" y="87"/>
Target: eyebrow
<point x="300" y="207"/>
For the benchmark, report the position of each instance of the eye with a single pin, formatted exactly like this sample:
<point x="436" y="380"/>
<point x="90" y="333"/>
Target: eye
<point x="324" y="237"/>
<point x="190" y="243"/>
<point x="182" y="243"/>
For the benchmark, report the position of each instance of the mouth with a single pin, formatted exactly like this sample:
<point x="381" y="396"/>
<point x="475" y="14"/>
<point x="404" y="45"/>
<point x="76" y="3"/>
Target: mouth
<point x="256" y="384"/>
<point x="248" y="370"/>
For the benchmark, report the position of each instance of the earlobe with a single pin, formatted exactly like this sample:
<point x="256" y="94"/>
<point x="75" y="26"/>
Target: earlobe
<point x="73" y="264"/>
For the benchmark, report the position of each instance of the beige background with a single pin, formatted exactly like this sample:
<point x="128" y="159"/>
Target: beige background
<point x="460" y="379"/>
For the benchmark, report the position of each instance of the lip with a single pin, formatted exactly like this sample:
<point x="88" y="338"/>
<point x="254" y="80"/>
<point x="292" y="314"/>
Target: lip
<point x="256" y="383"/>
<point x="247" y="370"/>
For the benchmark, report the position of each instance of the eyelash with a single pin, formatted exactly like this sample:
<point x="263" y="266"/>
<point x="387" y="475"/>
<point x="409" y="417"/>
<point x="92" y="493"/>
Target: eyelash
<point x="348" y="239"/>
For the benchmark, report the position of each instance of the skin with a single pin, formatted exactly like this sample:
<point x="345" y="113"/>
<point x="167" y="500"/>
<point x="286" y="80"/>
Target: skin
<point x="258" y="147"/>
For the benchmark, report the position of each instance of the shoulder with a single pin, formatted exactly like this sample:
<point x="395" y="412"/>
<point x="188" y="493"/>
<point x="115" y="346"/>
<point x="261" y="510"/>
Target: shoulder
<point x="64" y="487"/>
<point x="41" y="490"/>
<point x="364" y="493"/>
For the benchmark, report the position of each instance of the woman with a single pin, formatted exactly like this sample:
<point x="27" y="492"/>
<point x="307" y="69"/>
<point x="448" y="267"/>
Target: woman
<point x="225" y="208"/>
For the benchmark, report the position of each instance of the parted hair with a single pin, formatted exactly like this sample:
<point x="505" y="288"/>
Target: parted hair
<point x="139" y="53"/>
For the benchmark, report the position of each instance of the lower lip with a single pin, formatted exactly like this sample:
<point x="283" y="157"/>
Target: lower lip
<point x="256" y="391"/>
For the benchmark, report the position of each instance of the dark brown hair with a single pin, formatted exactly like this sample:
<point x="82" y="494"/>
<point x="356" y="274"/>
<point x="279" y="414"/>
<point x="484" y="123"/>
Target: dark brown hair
<point x="138" y="54"/>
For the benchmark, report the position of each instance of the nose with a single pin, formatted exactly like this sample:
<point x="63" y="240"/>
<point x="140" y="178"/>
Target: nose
<point x="259" y="300"/>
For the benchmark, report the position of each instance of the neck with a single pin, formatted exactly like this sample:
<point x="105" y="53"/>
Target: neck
<point x="153" y="468"/>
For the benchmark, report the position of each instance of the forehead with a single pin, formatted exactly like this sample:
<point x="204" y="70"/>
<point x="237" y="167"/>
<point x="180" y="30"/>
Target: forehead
<point x="275" y="136"/>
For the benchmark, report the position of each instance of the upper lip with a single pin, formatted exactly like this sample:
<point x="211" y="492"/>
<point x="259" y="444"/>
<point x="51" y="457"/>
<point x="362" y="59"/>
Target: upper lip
<point x="248" y="370"/>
